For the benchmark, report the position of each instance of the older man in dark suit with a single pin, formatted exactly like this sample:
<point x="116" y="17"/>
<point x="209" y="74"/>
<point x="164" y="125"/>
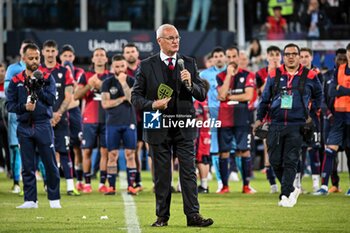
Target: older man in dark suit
<point x="182" y="83"/>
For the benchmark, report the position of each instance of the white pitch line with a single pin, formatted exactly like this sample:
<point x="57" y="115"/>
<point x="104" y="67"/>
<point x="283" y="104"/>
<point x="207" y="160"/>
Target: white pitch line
<point x="130" y="215"/>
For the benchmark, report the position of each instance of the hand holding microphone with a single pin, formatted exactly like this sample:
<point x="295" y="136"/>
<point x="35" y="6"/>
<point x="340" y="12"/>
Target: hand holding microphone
<point x="185" y="75"/>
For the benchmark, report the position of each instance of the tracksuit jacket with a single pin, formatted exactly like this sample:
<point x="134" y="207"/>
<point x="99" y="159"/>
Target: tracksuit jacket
<point x="296" y="115"/>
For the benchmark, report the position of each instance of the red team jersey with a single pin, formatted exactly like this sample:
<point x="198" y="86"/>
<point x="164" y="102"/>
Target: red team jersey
<point x="93" y="113"/>
<point x="203" y="140"/>
<point x="63" y="78"/>
<point x="234" y="113"/>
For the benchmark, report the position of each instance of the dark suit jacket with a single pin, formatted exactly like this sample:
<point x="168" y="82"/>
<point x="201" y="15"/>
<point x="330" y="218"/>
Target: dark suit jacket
<point x="148" y="79"/>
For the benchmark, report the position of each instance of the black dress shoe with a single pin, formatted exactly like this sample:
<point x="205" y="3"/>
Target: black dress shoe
<point x="198" y="221"/>
<point x="161" y="222"/>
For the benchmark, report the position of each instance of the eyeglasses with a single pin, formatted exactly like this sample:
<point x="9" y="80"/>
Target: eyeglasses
<point x="291" y="54"/>
<point x="172" y="38"/>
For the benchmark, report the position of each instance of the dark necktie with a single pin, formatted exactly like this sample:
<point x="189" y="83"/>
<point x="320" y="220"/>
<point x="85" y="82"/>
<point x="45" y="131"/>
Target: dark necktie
<point x="170" y="63"/>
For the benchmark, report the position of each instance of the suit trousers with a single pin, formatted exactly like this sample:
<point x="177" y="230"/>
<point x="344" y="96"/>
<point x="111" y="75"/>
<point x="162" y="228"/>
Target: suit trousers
<point x="38" y="137"/>
<point x="162" y="156"/>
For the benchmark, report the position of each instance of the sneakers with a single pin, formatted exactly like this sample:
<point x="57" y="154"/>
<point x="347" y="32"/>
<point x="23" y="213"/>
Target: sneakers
<point x="234" y="177"/>
<point x="220" y="186"/>
<point x="28" y="205"/>
<point x="285" y="202"/>
<point x="132" y="190"/>
<point x="224" y="190"/>
<point x="16" y="189"/>
<point x="293" y="197"/>
<point x="110" y="191"/>
<point x="274" y="188"/>
<point x="79" y="186"/>
<point x="87" y="189"/>
<point x="334" y="189"/>
<point x="55" y="204"/>
<point x="103" y="189"/>
<point x="73" y="192"/>
<point x="348" y="193"/>
<point x="248" y="190"/>
<point x="323" y="191"/>
<point x="202" y="190"/>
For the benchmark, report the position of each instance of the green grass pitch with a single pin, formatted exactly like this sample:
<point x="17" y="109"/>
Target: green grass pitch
<point x="234" y="212"/>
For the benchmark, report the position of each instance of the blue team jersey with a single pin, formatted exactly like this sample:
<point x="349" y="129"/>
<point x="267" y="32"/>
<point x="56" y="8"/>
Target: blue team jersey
<point x="213" y="102"/>
<point x="123" y="114"/>
<point x="13" y="70"/>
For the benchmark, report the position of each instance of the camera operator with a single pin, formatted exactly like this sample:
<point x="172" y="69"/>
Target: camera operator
<point x="288" y="90"/>
<point x="31" y="96"/>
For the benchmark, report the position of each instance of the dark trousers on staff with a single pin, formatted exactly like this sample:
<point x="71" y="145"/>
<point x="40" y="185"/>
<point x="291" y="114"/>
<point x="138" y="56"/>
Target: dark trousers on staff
<point x="284" y="145"/>
<point x="32" y="137"/>
<point x="184" y="149"/>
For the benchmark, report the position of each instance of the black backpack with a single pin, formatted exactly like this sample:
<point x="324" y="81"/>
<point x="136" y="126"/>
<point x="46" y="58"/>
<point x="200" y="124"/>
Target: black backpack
<point x="301" y="87"/>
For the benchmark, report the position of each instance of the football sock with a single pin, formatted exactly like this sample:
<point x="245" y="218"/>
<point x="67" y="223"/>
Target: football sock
<point x="314" y="161"/>
<point x="111" y="180"/>
<point x="246" y="170"/>
<point x="131" y="174"/>
<point x="215" y="164"/>
<point x="270" y="175"/>
<point x="79" y="172"/>
<point x="223" y="166"/>
<point x="66" y="164"/>
<point x="87" y="177"/>
<point x="103" y="176"/>
<point x="327" y="165"/>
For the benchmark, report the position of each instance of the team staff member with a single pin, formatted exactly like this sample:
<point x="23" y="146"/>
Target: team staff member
<point x="64" y="92"/>
<point x="34" y="129"/>
<point x="94" y="123"/>
<point x="339" y="134"/>
<point x="287" y="113"/>
<point x="235" y="90"/>
<point x="158" y="69"/>
<point x="120" y="122"/>
<point x="67" y="58"/>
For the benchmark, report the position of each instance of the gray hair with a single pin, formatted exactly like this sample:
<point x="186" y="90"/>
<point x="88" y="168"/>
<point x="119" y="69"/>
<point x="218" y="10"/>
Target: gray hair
<point x="162" y="28"/>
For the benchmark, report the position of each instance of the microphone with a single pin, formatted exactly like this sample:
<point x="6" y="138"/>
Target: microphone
<point x="181" y="64"/>
<point x="38" y="74"/>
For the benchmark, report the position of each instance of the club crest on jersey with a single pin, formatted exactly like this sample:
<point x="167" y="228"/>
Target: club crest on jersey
<point x="113" y="90"/>
<point x="241" y="79"/>
<point x="60" y="75"/>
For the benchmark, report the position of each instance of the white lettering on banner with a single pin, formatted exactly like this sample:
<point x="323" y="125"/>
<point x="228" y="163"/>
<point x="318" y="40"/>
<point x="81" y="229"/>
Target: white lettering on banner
<point x="117" y="45"/>
<point x="191" y="123"/>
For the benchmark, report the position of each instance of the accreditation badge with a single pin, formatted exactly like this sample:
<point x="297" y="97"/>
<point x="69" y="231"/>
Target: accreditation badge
<point x="286" y="101"/>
